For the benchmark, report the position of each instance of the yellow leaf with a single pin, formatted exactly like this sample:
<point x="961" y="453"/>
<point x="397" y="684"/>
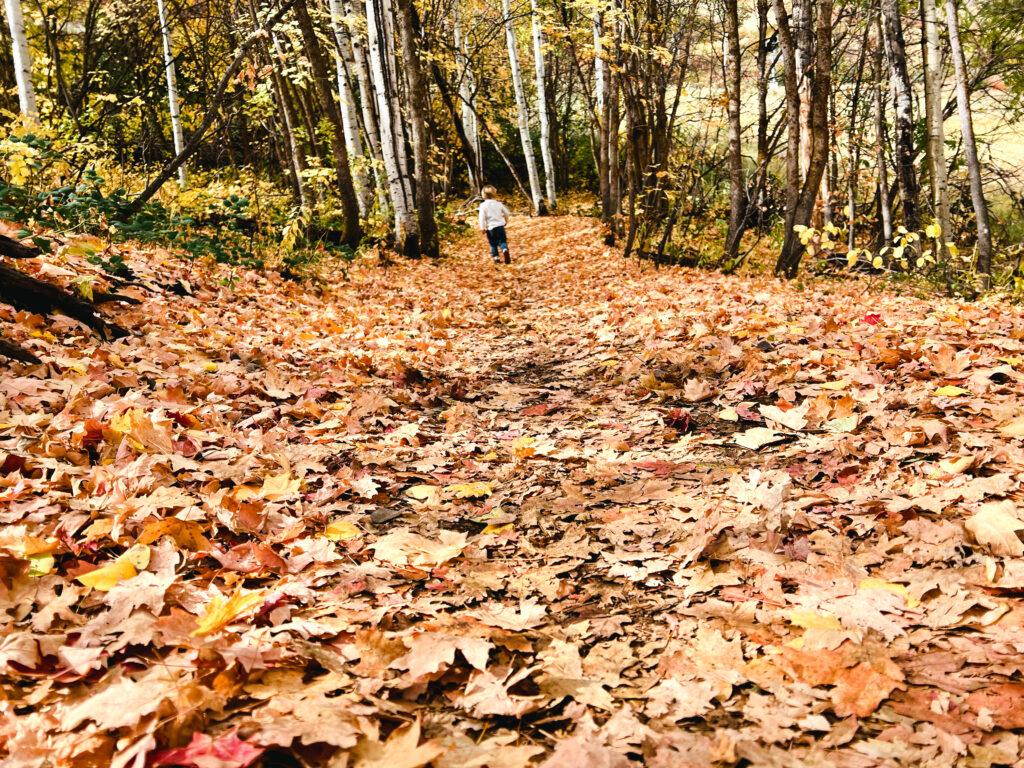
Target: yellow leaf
<point x="342" y="530"/>
<point x="219" y="612"/>
<point x="729" y="414"/>
<point x="470" y="490"/>
<point x="896" y="589"/>
<point x="951" y="391"/>
<point x="211" y="367"/>
<point x="522" y="447"/>
<point x="421" y="492"/>
<point x="812" y="620"/>
<point x="498" y="528"/>
<point x="122" y="423"/>
<point x="877" y="262"/>
<point x="957" y="465"/>
<point x="127" y="566"/>
<point x="186" y="534"/>
<point x="278" y="486"/>
<point x="836" y="385"/>
<point x="1014" y="361"/>
<point x="243" y="492"/>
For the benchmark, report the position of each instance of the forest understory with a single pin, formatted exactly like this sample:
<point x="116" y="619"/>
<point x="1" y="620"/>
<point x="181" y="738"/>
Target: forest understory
<point x="576" y="511"/>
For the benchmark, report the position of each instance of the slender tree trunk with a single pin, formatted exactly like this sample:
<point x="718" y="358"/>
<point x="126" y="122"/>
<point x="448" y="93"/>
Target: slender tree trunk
<point x="789" y="260"/>
<point x="417" y="112"/>
<point x="612" y="106"/>
<point x="603" y="122"/>
<point x="288" y="117"/>
<point x="349" y="111"/>
<point x="371" y="125"/>
<point x="906" y="174"/>
<point x="542" y="106"/>
<point x="791" y="82"/>
<point x="933" y="115"/>
<point x="474" y="167"/>
<point x="389" y="111"/>
<point x="733" y="74"/>
<point x="211" y="112"/>
<point x="854" y="143"/>
<point x="22" y="61"/>
<point x="521" y="107"/>
<point x="963" y="100"/>
<point x="321" y="81"/>
<point x="803" y="38"/>
<point x="172" y="90"/>
<point x="884" y="204"/>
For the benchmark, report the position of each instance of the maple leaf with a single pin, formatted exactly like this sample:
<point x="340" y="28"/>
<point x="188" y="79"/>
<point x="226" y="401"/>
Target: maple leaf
<point x="470" y="490"/>
<point x="408" y="548"/>
<point x="756" y="438"/>
<point x="401" y="750"/>
<point x="276" y="487"/>
<point x="204" y="751"/>
<point x="995" y="525"/>
<point x="220" y="612"/>
<point x="860" y="690"/>
<point x="126" y="566"/>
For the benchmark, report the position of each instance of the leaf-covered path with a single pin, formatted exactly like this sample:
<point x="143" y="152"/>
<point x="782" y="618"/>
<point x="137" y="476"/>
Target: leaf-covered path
<point x="568" y="512"/>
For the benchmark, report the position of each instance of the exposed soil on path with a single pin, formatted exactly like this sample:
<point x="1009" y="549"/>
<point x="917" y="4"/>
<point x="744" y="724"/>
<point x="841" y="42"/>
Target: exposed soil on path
<point x="568" y="512"/>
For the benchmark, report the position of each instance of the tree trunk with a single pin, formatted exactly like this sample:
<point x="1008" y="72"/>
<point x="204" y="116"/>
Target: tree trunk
<point x="933" y="115"/>
<point x="963" y="101"/>
<point x="789" y="259"/>
<point x="321" y="82"/>
<point x="417" y="111"/>
<point x="22" y="61"/>
<point x="791" y="82"/>
<point x="297" y="156"/>
<point x="371" y="125"/>
<point x="542" y="106"/>
<point x="733" y="74"/>
<point x="601" y="88"/>
<point x="349" y="112"/>
<point x="906" y="174"/>
<point x="172" y="90"/>
<point x="471" y="149"/>
<point x="390" y="115"/>
<point x="523" y="114"/>
<point x="884" y="204"/>
<point x="211" y="111"/>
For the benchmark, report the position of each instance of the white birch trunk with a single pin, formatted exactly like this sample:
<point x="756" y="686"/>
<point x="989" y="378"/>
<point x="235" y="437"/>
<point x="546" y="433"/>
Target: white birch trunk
<point x="22" y="60"/>
<point x="466" y="96"/>
<point x="933" y="116"/>
<point x="599" y="64"/>
<point x="542" y="106"/>
<point x="349" y="112"/>
<point x="521" y="108"/>
<point x="389" y="112"/>
<point x="370" y="126"/>
<point x="172" y="90"/>
<point x="963" y="101"/>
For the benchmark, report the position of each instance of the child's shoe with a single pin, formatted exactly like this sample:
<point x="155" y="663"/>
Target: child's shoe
<point x="508" y="259"/>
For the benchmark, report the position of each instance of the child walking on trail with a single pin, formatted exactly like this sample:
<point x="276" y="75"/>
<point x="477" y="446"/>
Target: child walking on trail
<point x="493" y="218"/>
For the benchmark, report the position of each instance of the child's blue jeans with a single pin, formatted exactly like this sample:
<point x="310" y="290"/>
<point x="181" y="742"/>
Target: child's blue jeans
<point x="496" y="239"/>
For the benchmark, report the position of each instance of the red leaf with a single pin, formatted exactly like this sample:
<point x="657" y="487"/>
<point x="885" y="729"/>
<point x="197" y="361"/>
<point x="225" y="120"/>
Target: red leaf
<point x="871" y="318"/>
<point x="226" y="751"/>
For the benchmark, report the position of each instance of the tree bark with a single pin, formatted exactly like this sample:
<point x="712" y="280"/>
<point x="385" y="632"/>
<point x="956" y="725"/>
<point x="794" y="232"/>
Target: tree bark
<point x="933" y="114"/>
<point x="321" y="83"/>
<point x="172" y="91"/>
<point x="733" y="74"/>
<point x="789" y="259"/>
<point x="390" y="115"/>
<point x="542" y="106"/>
<point x="884" y="204"/>
<point x="906" y="174"/>
<point x="522" y="113"/>
<point x="417" y="112"/>
<point x="349" y="111"/>
<point x="22" y="61"/>
<point x="470" y="136"/>
<point x="963" y="100"/>
<point x="791" y="82"/>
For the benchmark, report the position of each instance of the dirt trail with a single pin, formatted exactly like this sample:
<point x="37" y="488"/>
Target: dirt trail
<point x="568" y="512"/>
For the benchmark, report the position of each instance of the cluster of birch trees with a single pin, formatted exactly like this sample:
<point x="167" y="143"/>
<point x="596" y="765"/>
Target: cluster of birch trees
<point x="788" y="114"/>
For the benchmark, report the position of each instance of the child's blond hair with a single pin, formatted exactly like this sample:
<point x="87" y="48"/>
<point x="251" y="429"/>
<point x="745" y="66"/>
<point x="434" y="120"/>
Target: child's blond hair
<point x="488" y="192"/>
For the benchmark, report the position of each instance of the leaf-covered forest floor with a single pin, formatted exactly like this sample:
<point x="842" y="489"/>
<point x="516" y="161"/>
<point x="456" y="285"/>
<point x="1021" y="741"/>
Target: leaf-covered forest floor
<point x="572" y="512"/>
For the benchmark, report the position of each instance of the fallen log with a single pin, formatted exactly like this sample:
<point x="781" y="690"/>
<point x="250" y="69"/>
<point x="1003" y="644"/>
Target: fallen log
<point x="14" y="352"/>
<point x="24" y="292"/>
<point x="15" y="249"/>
